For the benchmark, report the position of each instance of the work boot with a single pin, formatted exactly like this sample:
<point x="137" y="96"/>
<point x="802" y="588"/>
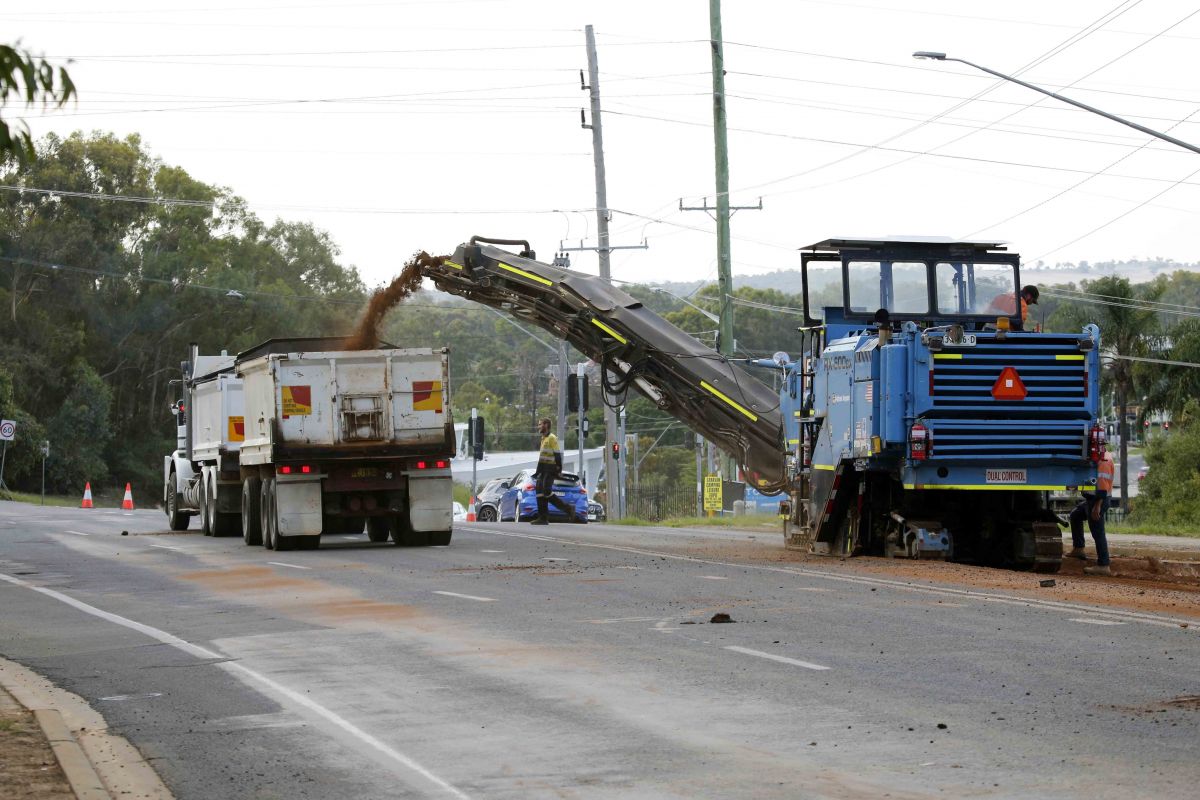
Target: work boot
<point x="540" y="521"/>
<point x="1098" y="570"/>
<point x="1077" y="552"/>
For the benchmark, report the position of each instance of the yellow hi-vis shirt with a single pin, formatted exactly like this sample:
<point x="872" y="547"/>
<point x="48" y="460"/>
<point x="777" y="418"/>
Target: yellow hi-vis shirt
<point x="548" y="449"/>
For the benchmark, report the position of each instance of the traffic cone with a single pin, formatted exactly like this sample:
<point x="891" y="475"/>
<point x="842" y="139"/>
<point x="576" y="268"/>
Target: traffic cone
<point x="471" y="511"/>
<point x="127" y="503"/>
<point x="87" y="496"/>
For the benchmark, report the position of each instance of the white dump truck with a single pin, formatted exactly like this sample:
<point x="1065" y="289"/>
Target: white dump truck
<point x="331" y="441"/>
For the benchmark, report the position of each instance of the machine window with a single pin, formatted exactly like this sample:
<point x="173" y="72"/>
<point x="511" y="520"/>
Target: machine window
<point x="966" y="288"/>
<point x="899" y="286"/>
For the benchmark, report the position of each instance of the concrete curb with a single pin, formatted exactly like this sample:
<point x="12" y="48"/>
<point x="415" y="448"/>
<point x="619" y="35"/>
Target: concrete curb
<point x="85" y="781"/>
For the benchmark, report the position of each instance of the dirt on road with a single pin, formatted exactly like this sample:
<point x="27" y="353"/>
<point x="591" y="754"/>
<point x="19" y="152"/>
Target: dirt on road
<point x="28" y="768"/>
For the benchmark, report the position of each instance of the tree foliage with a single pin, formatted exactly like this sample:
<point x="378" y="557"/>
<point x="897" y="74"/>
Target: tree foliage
<point x="34" y="80"/>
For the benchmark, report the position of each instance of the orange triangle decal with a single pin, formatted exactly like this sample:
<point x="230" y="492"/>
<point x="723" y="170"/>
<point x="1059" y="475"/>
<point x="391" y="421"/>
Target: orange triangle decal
<point x="1009" y="386"/>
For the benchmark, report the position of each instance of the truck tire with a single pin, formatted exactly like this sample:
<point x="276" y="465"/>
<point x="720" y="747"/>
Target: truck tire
<point x="176" y="519"/>
<point x="403" y="534"/>
<point x="205" y="516"/>
<point x="251" y="515"/>
<point x="377" y="529"/>
<point x="266" y="513"/>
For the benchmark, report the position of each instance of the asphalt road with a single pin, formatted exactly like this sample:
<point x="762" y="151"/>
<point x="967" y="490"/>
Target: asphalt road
<point x="579" y="662"/>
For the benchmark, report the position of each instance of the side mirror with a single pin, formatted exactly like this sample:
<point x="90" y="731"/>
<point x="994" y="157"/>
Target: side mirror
<point x="504" y="485"/>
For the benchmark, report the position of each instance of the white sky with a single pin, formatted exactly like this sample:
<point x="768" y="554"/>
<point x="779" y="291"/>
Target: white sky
<point x="399" y="126"/>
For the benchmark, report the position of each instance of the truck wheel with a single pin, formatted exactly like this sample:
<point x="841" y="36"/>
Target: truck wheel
<point x="266" y="513"/>
<point x="177" y="520"/>
<point x="441" y="538"/>
<point x="251" y="516"/>
<point x="205" y="517"/>
<point x="403" y="534"/>
<point x="377" y="529"/>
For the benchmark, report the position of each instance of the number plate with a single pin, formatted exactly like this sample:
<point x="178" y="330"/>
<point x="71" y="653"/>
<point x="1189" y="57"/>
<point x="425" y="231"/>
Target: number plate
<point x="1006" y="476"/>
<point x="365" y="472"/>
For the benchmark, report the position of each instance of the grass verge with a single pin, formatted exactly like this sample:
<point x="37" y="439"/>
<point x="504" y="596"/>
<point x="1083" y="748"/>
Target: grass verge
<point x="36" y="499"/>
<point x="1153" y="529"/>
<point x="756" y="523"/>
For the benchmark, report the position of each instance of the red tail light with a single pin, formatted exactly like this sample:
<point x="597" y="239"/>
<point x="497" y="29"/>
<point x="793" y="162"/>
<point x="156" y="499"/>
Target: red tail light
<point x="285" y="470"/>
<point x="441" y="464"/>
<point x="421" y="465"/>
<point x="920" y="442"/>
<point x="305" y="468"/>
<point x="1096" y="442"/>
<point x="529" y="487"/>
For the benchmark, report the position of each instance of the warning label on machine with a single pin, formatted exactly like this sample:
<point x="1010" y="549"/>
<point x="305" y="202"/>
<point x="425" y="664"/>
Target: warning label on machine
<point x="297" y="401"/>
<point x="1005" y="476"/>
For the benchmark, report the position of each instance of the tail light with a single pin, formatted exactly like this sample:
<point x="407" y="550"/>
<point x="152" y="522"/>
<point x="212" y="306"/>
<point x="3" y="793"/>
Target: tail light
<point x="294" y="469"/>
<point x="439" y="464"/>
<point x="1096" y="443"/>
<point x="529" y="487"/>
<point x="920" y="442"/>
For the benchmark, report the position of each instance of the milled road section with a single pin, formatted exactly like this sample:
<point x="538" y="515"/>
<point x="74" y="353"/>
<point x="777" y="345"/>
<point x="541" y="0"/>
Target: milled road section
<point x="582" y="661"/>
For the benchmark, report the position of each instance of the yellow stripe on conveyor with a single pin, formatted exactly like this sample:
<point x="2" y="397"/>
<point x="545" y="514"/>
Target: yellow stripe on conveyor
<point x="450" y="263"/>
<point x="610" y="331"/>
<point x="525" y="274"/>
<point x="739" y="408"/>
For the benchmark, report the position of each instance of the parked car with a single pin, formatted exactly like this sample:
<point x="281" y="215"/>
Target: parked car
<point x="1143" y="471"/>
<point x="595" y="512"/>
<point x="519" y="502"/>
<point x="487" y="501"/>
<point x="457" y="512"/>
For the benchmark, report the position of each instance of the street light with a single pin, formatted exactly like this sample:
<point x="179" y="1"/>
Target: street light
<point x="925" y="54"/>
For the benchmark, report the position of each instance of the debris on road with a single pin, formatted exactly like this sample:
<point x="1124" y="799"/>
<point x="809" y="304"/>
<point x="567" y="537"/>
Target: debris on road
<point x="721" y="617"/>
<point x="1046" y="583"/>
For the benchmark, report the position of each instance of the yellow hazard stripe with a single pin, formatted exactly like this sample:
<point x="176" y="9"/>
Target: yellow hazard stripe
<point x="610" y="331"/>
<point x="740" y="408"/>
<point x="450" y="263"/>
<point x="947" y="356"/>
<point x="524" y="274"/>
<point x="986" y="487"/>
<point x="793" y="441"/>
<point x="829" y="467"/>
<point x="1068" y="358"/>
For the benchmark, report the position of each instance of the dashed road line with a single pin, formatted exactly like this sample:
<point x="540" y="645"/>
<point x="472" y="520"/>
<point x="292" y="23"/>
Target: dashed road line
<point x="168" y="547"/>
<point x="491" y="551"/>
<point x="296" y="697"/>
<point x="77" y="533"/>
<point x="1096" y="621"/>
<point x="714" y="578"/>
<point x="795" y="662"/>
<point x="283" y="564"/>
<point x="468" y="597"/>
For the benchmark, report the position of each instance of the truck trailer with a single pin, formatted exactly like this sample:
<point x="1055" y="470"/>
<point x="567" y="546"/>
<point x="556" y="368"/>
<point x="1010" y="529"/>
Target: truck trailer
<point x="324" y="441"/>
<point x="919" y="419"/>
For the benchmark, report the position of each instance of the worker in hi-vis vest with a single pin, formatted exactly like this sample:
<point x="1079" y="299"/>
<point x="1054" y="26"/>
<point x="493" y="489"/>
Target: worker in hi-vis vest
<point x="1005" y="303"/>
<point x="549" y="465"/>
<point x="1092" y="508"/>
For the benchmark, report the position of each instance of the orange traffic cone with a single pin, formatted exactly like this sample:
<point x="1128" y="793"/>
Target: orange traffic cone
<point x="471" y="511"/>
<point x="127" y="503"/>
<point x="87" y="496"/>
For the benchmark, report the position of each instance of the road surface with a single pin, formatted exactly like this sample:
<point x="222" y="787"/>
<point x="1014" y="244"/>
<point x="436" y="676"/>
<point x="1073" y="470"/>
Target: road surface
<point x="581" y="662"/>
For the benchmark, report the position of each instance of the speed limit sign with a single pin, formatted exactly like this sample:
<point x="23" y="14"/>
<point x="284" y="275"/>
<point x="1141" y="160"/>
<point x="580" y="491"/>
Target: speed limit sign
<point x="8" y="430"/>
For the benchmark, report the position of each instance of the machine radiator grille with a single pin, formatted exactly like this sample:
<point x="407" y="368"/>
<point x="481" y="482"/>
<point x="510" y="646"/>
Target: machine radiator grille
<point x="1052" y="370"/>
<point x="1029" y="441"/>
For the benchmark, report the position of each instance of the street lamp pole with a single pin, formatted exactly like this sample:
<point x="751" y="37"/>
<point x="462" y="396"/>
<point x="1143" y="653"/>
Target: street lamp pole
<point x="925" y="54"/>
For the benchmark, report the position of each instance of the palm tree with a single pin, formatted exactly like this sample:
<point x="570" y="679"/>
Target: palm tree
<point x="1126" y="329"/>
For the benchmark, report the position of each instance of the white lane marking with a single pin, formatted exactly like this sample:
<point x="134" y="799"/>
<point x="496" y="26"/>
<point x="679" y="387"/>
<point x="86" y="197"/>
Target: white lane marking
<point x="491" y="551"/>
<point x="233" y="666"/>
<point x="149" y="696"/>
<point x="78" y="533"/>
<point x="713" y="578"/>
<point x="620" y="619"/>
<point x="556" y="559"/>
<point x="771" y="656"/>
<point x="349" y="538"/>
<point x="167" y="547"/>
<point x="468" y="597"/>
<point x="293" y="566"/>
<point x="810" y="589"/>
<point x="1182" y="623"/>
<point x="1096" y="621"/>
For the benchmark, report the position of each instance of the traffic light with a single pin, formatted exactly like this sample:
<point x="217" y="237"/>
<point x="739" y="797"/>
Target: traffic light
<point x="475" y="436"/>
<point x="1146" y="423"/>
<point x="616" y="450"/>
<point x="573" y="396"/>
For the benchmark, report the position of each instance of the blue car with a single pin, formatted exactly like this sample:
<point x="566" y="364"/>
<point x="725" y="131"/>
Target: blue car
<point x="519" y="501"/>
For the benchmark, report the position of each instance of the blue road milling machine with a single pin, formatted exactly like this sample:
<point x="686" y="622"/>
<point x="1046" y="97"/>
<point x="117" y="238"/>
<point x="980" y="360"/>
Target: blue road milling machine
<point x="919" y="419"/>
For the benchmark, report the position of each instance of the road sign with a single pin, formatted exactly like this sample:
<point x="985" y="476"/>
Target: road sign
<point x="45" y="449"/>
<point x="712" y="493"/>
<point x="8" y="430"/>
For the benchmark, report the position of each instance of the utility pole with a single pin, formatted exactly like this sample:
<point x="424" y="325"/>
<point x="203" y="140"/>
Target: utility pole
<point x="564" y="375"/>
<point x="699" y="475"/>
<point x="581" y="377"/>
<point x="724" y="270"/>
<point x="603" y="250"/>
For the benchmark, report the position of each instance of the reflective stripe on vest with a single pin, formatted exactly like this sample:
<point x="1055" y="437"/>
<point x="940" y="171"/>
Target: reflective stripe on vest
<point x="1104" y="475"/>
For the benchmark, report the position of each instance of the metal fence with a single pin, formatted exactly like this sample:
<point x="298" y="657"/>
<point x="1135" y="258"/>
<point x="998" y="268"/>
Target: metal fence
<point x="655" y="506"/>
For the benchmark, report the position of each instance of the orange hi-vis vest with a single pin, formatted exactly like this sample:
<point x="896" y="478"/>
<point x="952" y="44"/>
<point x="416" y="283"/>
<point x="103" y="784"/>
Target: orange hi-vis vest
<point x="1104" y="474"/>
<point x="1007" y="303"/>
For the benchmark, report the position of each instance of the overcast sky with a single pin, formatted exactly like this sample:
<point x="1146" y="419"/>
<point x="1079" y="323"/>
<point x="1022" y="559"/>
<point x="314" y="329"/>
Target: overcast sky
<point x="404" y="126"/>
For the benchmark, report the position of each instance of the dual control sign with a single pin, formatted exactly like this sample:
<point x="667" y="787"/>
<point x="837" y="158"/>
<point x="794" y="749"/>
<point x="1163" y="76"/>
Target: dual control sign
<point x="1005" y="476"/>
